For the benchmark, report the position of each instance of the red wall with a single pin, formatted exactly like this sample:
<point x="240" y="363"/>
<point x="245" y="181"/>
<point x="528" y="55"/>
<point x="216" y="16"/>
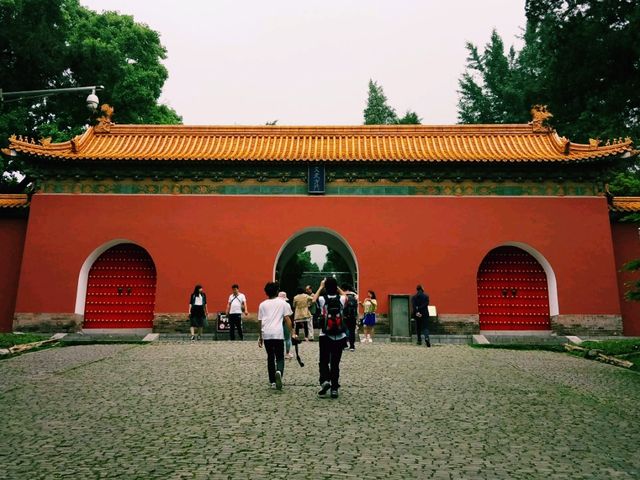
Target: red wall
<point x="12" y="235"/>
<point x="626" y="243"/>
<point x="398" y="242"/>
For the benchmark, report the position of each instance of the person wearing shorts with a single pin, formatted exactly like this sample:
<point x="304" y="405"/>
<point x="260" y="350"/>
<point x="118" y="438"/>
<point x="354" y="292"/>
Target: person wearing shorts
<point x="197" y="311"/>
<point x="370" y="304"/>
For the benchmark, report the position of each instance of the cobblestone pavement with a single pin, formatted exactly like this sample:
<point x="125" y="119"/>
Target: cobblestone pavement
<point x="179" y="410"/>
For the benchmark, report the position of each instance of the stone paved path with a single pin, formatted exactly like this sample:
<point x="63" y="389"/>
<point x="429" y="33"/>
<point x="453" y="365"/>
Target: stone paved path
<point x="177" y="410"/>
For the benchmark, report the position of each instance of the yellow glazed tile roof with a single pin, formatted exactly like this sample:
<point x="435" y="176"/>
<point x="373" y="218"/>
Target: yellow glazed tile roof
<point x="625" y="204"/>
<point x="14" y="201"/>
<point x="401" y="143"/>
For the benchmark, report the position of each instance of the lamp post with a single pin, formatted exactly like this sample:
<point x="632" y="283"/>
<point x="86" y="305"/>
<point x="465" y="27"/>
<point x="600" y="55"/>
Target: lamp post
<point x="92" y="98"/>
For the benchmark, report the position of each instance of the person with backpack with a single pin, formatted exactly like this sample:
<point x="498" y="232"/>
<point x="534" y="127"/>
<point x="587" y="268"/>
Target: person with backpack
<point x="351" y="315"/>
<point x="331" y="301"/>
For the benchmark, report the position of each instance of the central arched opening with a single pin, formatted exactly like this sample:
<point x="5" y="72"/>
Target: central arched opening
<point x="312" y="254"/>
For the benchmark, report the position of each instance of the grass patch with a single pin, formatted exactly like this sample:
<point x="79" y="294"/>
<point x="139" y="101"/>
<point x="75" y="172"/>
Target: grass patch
<point x="625" y="349"/>
<point x="8" y="340"/>
<point x="615" y="347"/>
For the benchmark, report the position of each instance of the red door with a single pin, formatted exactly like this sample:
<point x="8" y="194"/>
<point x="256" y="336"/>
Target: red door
<point x="512" y="291"/>
<point x="121" y="289"/>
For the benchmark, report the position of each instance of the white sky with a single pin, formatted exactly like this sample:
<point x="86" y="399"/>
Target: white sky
<point x="308" y="62"/>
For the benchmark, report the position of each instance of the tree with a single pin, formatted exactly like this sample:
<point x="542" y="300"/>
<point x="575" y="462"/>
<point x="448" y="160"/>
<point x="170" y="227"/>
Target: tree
<point x="293" y="270"/>
<point x="491" y="88"/>
<point x="336" y="263"/>
<point x="589" y="74"/>
<point x="377" y="111"/>
<point x="581" y="59"/>
<point x="410" y="118"/>
<point x="58" y="44"/>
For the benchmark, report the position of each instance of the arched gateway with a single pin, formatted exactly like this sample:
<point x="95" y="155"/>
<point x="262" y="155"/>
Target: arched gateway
<point x="317" y="235"/>
<point x="121" y="288"/>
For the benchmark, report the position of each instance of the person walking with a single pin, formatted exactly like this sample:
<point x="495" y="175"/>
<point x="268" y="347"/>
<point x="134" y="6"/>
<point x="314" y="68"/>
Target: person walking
<point x="332" y="335"/>
<point x="274" y="316"/>
<point x="236" y="306"/>
<point x="197" y="311"/>
<point x="301" y="303"/>
<point x="420" y="308"/>
<point x="313" y="309"/>
<point x="369" y="305"/>
<point x="351" y="315"/>
<point x="287" y="334"/>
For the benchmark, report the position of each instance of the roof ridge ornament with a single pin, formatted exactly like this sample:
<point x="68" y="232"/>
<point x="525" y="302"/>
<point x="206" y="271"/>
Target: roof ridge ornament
<point x="540" y="115"/>
<point x="104" y="122"/>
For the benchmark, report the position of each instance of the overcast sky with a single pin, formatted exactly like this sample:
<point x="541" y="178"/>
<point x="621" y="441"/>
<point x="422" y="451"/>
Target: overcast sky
<point x="308" y="62"/>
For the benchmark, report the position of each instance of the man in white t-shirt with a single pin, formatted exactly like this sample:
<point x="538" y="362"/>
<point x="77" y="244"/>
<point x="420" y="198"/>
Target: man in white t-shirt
<point x="236" y="306"/>
<point x="274" y="316"/>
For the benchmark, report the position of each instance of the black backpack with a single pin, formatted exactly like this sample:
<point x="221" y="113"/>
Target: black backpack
<point x="351" y="307"/>
<point x="333" y="318"/>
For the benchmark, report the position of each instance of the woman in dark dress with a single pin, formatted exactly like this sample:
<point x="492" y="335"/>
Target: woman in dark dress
<point x="197" y="311"/>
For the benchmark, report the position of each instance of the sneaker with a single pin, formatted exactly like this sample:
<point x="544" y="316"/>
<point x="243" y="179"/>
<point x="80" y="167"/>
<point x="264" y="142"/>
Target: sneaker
<point x="193" y="338"/>
<point x="278" y="380"/>
<point x="325" y="388"/>
<point x="370" y="340"/>
<point x="363" y="340"/>
<point x="334" y="393"/>
<point x="273" y="386"/>
<point x="352" y="349"/>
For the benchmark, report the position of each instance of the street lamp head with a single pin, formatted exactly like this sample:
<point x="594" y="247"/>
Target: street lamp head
<point x="92" y="101"/>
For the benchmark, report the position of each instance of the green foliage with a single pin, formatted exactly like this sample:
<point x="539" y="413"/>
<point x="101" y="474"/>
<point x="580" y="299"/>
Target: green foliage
<point x="8" y="340"/>
<point x="614" y="347"/>
<point x="490" y="89"/>
<point x="293" y="270"/>
<point x="410" y="118"/>
<point x="581" y="59"/>
<point x="626" y="182"/>
<point x="335" y="262"/>
<point x="378" y="111"/>
<point x="60" y="44"/>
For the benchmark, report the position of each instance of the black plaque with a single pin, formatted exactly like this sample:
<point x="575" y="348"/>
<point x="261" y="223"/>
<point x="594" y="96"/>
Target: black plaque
<point x="316" y="179"/>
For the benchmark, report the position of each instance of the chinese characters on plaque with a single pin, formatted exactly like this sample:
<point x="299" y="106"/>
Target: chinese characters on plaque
<point x="316" y="179"/>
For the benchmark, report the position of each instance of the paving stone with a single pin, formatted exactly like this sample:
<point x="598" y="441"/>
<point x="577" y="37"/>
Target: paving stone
<point x="205" y="410"/>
